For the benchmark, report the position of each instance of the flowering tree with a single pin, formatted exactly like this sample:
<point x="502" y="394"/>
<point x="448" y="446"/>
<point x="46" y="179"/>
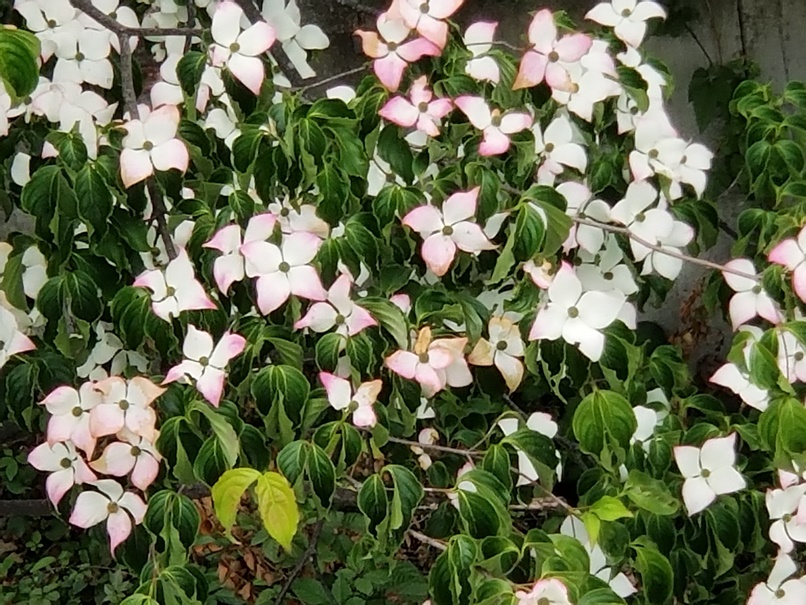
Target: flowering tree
<point x="405" y="312"/>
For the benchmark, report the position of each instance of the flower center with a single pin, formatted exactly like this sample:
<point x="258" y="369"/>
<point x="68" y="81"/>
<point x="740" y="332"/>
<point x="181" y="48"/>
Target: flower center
<point x="634" y="111"/>
<point x="392" y="46"/>
<point x="640" y="217"/>
<point x="170" y="291"/>
<point x="543" y="601"/>
<point x="136" y="451"/>
<point x="77" y="411"/>
<point x="799" y="356"/>
<point x="148" y="145"/>
<point x="423" y="357"/>
<point x="112" y="507"/>
<point x="553" y="56"/>
<point x="353" y="406"/>
<point x="786" y="518"/>
<point x="51" y="23"/>
<point x="684" y="159"/>
<point x="573" y="312"/>
<point x="204" y="361"/>
<point x="66" y="463"/>
<point x="422" y="107"/>
<point x="113" y="14"/>
<point x="123" y="405"/>
<point x="756" y="289"/>
<point x="502" y="345"/>
<point x="340" y="319"/>
<point x="626" y="12"/>
<point x="424" y="8"/>
<point x="390" y="178"/>
<point x="447" y="230"/>
<point x="653" y="154"/>
<point x="608" y="275"/>
<point x="285" y="212"/>
<point x="234" y="47"/>
<point x="496" y="121"/>
<point x="574" y="88"/>
<point x="780" y="593"/>
<point x="2" y="344"/>
<point x="705" y="473"/>
<point x="80" y="56"/>
<point x="284" y="267"/>
<point x="549" y="147"/>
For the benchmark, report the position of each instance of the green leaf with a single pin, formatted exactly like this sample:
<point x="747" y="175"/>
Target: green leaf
<point x="322" y="474"/>
<point x="227" y="493"/>
<point x="406" y="495"/>
<point x="538" y="448"/>
<point x="550" y="206"/>
<point x="608" y="508"/>
<point x="189" y="71"/>
<point x="390" y="317"/>
<point x="75" y="291"/>
<point x="652" y="495"/>
<point x="94" y="198"/>
<point x="327" y="351"/>
<point x="657" y="577"/>
<point x="530" y="231"/>
<point x="222" y="429"/>
<point x="396" y="151"/>
<point x="292" y="460"/>
<point x="168" y="508"/>
<point x="782" y="429"/>
<point x="19" y="61"/>
<point x="603" y="418"/>
<point x="372" y="501"/>
<point x="211" y="461"/>
<point x="278" y="507"/>
<point x="601" y="596"/>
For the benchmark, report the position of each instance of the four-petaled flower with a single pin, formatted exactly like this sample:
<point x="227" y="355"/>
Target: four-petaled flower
<point x="339" y="310"/>
<point x="479" y="41"/>
<point x="133" y="455"/>
<point x="502" y="350"/>
<point x="70" y="415"/>
<point x="750" y="299"/>
<point x="421" y="111"/>
<point x="558" y="148"/>
<point x="175" y="289"/>
<point x="285" y="270"/>
<point x="12" y="341"/>
<point x="495" y="127"/>
<point x="205" y="362"/>
<point x="627" y="18"/>
<point x="429" y="362"/>
<point x="445" y="231"/>
<point x="239" y="51"/>
<point x="126" y="404"/>
<point x="151" y="144"/>
<point x="785" y="507"/>
<point x="341" y="396"/>
<point x="110" y="504"/>
<point x="549" y="57"/>
<point x="428" y="17"/>
<point x="231" y="266"/>
<point x="708" y="472"/>
<point x="576" y="317"/>
<point x="791" y="253"/>
<point x="549" y="591"/>
<point x="65" y="465"/>
<point x="778" y="590"/>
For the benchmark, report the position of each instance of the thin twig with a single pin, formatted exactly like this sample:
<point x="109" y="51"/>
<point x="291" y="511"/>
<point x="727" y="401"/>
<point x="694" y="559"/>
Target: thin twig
<point x="329" y="79"/>
<point x="359" y="7"/>
<point x="317" y="530"/>
<point x="438" y="544"/>
<point x="86" y="7"/>
<point x="436" y="448"/>
<point x="698" y="43"/>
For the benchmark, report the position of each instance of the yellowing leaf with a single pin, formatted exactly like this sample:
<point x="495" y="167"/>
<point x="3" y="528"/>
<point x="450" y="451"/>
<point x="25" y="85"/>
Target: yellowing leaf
<point x="278" y="507"/>
<point x="227" y="493"/>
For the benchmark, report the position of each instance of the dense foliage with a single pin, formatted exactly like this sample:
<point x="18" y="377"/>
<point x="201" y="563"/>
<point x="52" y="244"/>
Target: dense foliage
<point x="385" y="345"/>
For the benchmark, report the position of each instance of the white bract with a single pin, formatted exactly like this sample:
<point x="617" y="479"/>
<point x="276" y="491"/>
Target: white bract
<point x="708" y="471"/>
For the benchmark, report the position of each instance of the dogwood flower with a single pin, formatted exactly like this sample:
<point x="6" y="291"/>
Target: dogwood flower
<point x="778" y="590"/>
<point x="168" y="91"/>
<point x="239" y="51"/>
<point x="428" y="18"/>
<point x="231" y="266"/>
<point x="606" y="270"/>
<point x="427" y="436"/>
<point x="205" y="362"/>
<point x="791" y="253"/>
<point x="422" y="111"/>
<point x="66" y="467"/>
<point x="496" y="128"/>
<point x="549" y="57"/>
<point x="293" y="218"/>
<point x="425" y="362"/>
<point x="502" y="350"/>
<point x="175" y="289"/>
<point x="70" y="415"/>
<point x="285" y="270"/>
<point x="296" y="39"/>
<point x="576" y="317"/>
<point x="111" y="504"/>
<point x="151" y="144"/>
<point x="446" y="230"/>
<point x="390" y="52"/>
<point x="338" y="311"/>
<point x="84" y="59"/>
<point x="558" y="148"/>
<point x="782" y="506"/>
<point x="49" y="20"/>
<point x="708" y="471"/>
<point x="580" y="203"/>
<point x="12" y="340"/>
<point x="108" y="347"/>
<point x="750" y="299"/>
<point x="126" y="404"/>
<point x="479" y="41"/>
<point x="549" y="591"/>
<point x="35" y="272"/>
<point x="341" y="396"/>
<point x="539" y="422"/>
<point x="134" y="455"/>
<point x="627" y="18"/>
<point x="457" y="373"/>
<point x="791" y="357"/>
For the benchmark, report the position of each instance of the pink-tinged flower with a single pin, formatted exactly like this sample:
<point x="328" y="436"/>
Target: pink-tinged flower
<point x="70" y="415"/>
<point x="559" y="148"/>
<point x="708" y="472"/>
<point x="750" y="299"/>
<point x="12" y="341"/>
<point x="284" y="270"/>
<point x="402" y="302"/>
<point x="791" y="253"/>
<point x="133" y="455"/>
<point x="175" y="289"/>
<point x="502" y="350"/>
<point x="126" y="404"/>
<point x="545" y="592"/>
<point x="422" y="111"/>
<point x="541" y="275"/>
<point x="110" y="504"/>
<point x="496" y="128"/>
<point x="341" y="397"/>
<point x="239" y="51"/>
<point x="151" y="145"/>
<point x="428" y="363"/>
<point x="338" y="311"/>
<point x="390" y="51"/>
<point x="627" y="18"/>
<point x="778" y="590"/>
<point x="231" y="266"/>
<point x="65" y="465"/>
<point x="205" y="363"/>
<point x="457" y="374"/>
<point x="576" y="317"/>
<point x="445" y="231"/>
<point x="549" y="57"/>
<point x="428" y="17"/>
<point x="479" y="41"/>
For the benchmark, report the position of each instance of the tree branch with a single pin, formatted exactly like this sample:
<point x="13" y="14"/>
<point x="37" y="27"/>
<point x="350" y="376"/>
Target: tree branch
<point x="86" y="7"/>
<point x="309" y="552"/>
<point x="329" y="79"/>
<point x="437" y="448"/>
<point x="438" y="544"/>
